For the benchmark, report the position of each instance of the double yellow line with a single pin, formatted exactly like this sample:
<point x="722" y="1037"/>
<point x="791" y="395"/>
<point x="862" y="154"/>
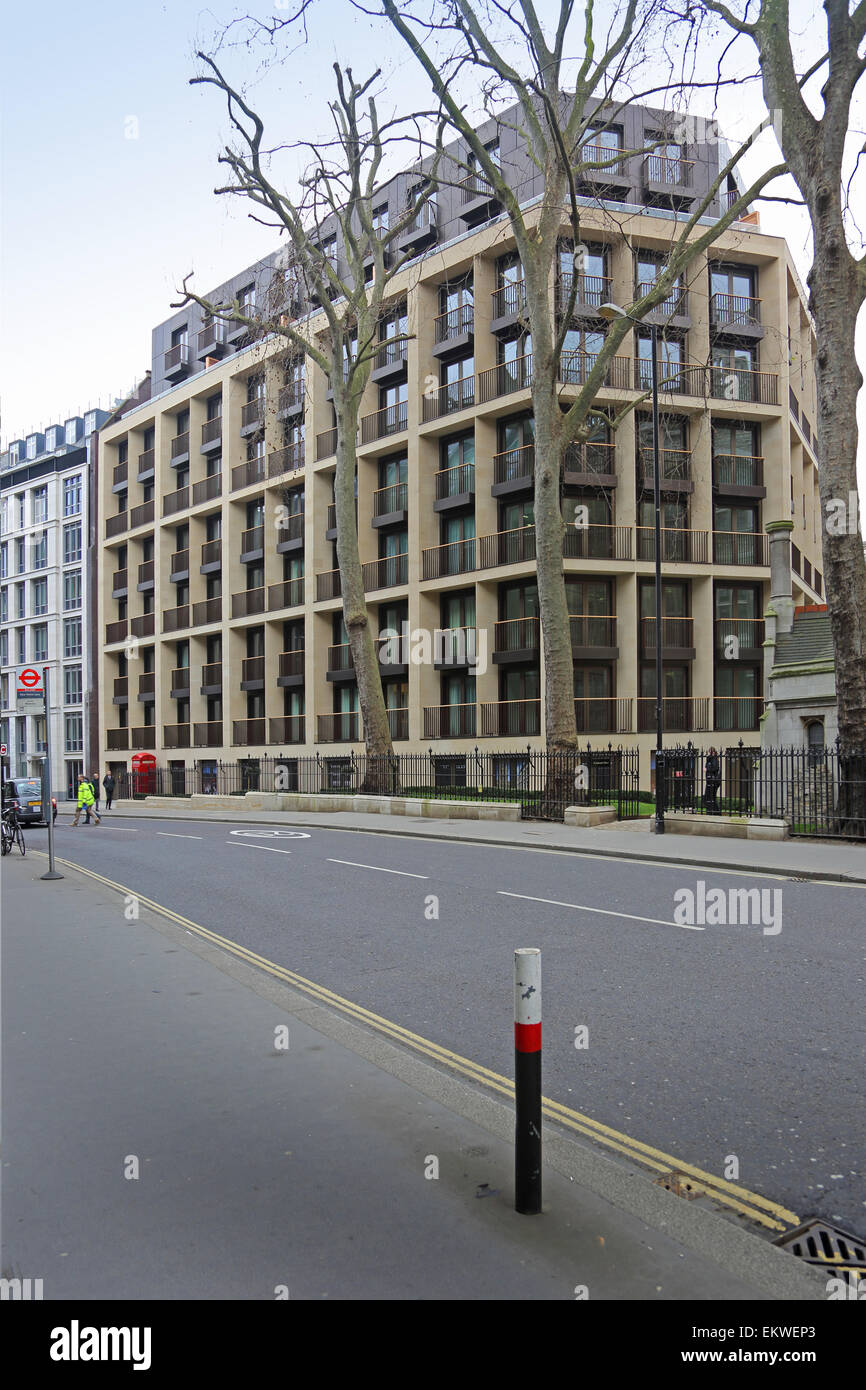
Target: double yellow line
<point x="740" y="1199"/>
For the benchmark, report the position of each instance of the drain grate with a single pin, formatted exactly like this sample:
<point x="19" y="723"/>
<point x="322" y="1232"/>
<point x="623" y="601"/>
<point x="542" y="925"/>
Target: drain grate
<point x="681" y="1185"/>
<point x="820" y="1244"/>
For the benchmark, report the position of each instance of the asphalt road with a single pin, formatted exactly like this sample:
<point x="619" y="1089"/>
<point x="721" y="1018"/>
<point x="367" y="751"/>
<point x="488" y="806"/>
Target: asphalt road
<point x="716" y="1044"/>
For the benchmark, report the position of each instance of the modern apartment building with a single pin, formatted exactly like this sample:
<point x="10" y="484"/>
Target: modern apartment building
<point x="219" y="596"/>
<point x="44" y="494"/>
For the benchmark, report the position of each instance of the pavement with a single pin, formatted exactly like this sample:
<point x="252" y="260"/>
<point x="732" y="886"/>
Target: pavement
<point x="834" y="861"/>
<point x="161" y="1141"/>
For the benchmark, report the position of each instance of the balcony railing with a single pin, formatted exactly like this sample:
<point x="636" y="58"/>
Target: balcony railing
<point x="509" y="718"/>
<point x="146" y="464"/>
<point x="287" y="594"/>
<point x="174" y="619"/>
<point x="514" y="464"/>
<point x="611" y="161"/>
<point x="328" y="585"/>
<point x="390" y="499"/>
<point x="245" y="474"/>
<point x="728" y="383"/>
<point x="736" y="633"/>
<point x="455" y="646"/>
<point x="508" y="299"/>
<point x="575" y="369"/>
<point x="253" y="413"/>
<point x="398" y="723"/>
<point x="207" y="489"/>
<point x="676" y="632"/>
<point x="676" y="301"/>
<point x="326" y="444"/>
<point x="387" y="572"/>
<point x="680" y="715"/>
<point x="143" y="625"/>
<point x="456" y="481"/>
<point x="212" y="336"/>
<point x="475" y="185"/>
<point x="505" y="377"/>
<point x="604" y="715"/>
<point x="675" y="378"/>
<point x="454" y="323"/>
<point x="453" y="396"/>
<point x="119" y="581"/>
<point x="212" y="430"/>
<point x="141" y="515"/>
<point x="114" y="525"/>
<point x="455" y="557"/>
<point x="592" y="290"/>
<point x="290" y="528"/>
<point x="253" y="668"/>
<point x="450" y="721"/>
<point x="686" y="547"/>
<point x="144" y="736"/>
<point x="120" y="474"/>
<point x="290" y="396"/>
<point x="390" y="354"/>
<point x="339" y="728"/>
<point x="593" y="457"/>
<point x="668" y="169"/>
<point x="209" y="610"/>
<point x="741" y="548"/>
<point x="287" y="460"/>
<point x="176" y="735"/>
<point x="738" y="470"/>
<point x="212" y="673"/>
<point x="116" y="632"/>
<point x="252" y="539"/>
<point x="208" y="735"/>
<point x="597" y="542"/>
<point x="146" y="572"/>
<point x="121" y="687"/>
<point x="291" y="663"/>
<point x="247" y="602"/>
<point x="676" y="465"/>
<point x="287" y="728"/>
<point x="176" y="357"/>
<point x="175" y="501"/>
<point x="246" y="733"/>
<point x="180" y="446"/>
<point x="516" y="635"/>
<point x="179" y="563"/>
<point x="117" y="739"/>
<point x="732" y="713"/>
<point x="392" y="419"/>
<point x="147" y="683"/>
<point x="592" y="630"/>
<point x="734" y="310"/>
<point x="340" y="658"/>
<point x="212" y="551"/>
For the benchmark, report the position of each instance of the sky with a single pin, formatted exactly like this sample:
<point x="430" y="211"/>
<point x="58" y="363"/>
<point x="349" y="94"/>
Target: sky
<point x="109" y="162"/>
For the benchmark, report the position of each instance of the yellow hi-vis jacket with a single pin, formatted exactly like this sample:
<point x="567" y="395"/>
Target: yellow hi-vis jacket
<point x="85" y="794"/>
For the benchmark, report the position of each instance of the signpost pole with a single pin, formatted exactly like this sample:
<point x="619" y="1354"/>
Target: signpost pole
<point x="47" y="806"/>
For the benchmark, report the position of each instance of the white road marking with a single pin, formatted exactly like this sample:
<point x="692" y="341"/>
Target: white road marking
<point x="272" y="834"/>
<point x="352" y="865"/>
<point x="604" y="911"/>
<point x="173" y="835"/>
<point x="269" y="848"/>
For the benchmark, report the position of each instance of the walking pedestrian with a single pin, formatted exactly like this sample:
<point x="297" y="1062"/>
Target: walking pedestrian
<point x="108" y="784"/>
<point x="713" y="782"/>
<point x="94" y="782"/>
<point x="86" y="801"/>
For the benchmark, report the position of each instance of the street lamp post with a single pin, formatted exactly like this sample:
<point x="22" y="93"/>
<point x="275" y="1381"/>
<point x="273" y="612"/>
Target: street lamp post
<point x="612" y="311"/>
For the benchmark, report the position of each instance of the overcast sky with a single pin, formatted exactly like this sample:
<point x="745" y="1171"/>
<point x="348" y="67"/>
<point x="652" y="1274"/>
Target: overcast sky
<point x="109" y="166"/>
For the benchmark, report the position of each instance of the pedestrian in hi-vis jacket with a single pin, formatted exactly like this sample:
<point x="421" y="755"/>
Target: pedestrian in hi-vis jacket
<point x="86" y="800"/>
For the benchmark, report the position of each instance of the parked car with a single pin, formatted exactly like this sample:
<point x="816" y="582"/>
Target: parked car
<point x="25" y="794"/>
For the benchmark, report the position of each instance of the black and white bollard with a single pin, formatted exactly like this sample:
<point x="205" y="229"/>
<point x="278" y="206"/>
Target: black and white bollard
<point x="527" y="1081"/>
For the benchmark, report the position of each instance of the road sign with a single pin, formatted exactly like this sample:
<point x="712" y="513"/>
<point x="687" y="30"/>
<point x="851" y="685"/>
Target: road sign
<point x="29" y="690"/>
<point x="3" y="750"/>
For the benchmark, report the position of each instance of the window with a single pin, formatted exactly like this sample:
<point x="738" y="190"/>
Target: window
<point x="4" y="515"/>
<point x="671" y="355"/>
<point x="4" y="560"/>
<point x="380" y="220"/>
<point x="4" y="605"/>
<point x="40" y="597"/>
<point x="665" y="158"/>
<point x="72" y="495"/>
<point x="20" y="601"/>
<point x="73" y="726"/>
<point x="72" y="589"/>
<point x="4" y="648"/>
<point x="72" y="543"/>
<point x="20" y="556"/>
<point x="72" y="687"/>
<point x="21" y="509"/>
<point x="32" y="443"/>
<point x="70" y="431"/>
<point x="90" y="422"/>
<point x="39" y="551"/>
<point x="40" y="642"/>
<point x="40" y="504"/>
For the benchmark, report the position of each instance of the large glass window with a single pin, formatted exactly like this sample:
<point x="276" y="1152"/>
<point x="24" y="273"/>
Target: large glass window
<point x="72" y="495"/>
<point x="72" y="543"/>
<point x="72" y="589"/>
<point x="72" y="687"/>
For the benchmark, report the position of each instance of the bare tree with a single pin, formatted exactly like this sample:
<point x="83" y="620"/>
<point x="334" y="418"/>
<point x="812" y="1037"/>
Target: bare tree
<point x="814" y="148"/>
<point x="561" y="130"/>
<point x="338" y="190"/>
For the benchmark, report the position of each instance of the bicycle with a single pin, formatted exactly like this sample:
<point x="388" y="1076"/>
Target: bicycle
<point x="11" y="833"/>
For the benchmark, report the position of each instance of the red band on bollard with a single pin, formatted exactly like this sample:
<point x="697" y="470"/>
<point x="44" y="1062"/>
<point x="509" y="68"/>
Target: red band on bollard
<point x="527" y="1037"/>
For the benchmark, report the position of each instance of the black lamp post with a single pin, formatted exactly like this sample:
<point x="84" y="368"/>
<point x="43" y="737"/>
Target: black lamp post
<point x="612" y="311"/>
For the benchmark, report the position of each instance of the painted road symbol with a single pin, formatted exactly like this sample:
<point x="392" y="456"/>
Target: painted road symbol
<point x="273" y="834"/>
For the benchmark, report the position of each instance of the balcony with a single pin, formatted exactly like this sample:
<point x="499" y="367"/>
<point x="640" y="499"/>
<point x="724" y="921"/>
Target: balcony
<point x="597" y="543"/>
<point x="144" y="736"/>
<point x="208" y="735"/>
<point x="506" y="305"/>
<point x="176" y="735"/>
<point x="248" y="602"/>
<point x="245" y="474"/>
<point x="506" y="547"/>
<point x="287" y="728"/>
<point x="602" y="169"/>
<point x="290" y="668"/>
<point x="737" y="638"/>
<point x="513" y="470"/>
<point x="145" y="577"/>
<point x="211" y="678"/>
<point x="675" y="378"/>
<point x="326" y="444"/>
<point x="179" y="456"/>
<point x="593" y="635"/>
<point x="252" y="544"/>
<point x="450" y="721"/>
<point x="506" y="377"/>
<point x="680" y="715"/>
<point x="290" y="533"/>
<point x="728" y="383"/>
<point x="120" y="584"/>
<point x="287" y="594"/>
<point x="340" y="666"/>
<point x="117" y="740"/>
<point x="678" y="547"/>
<point x="478" y="201"/>
<point x="591" y="292"/>
<point x="141" y="515"/>
<point x="143" y="626"/>
<point x="339" y="728"/>
<point x="212" y="435"/>
<point x="146" y="466"/>
<point x="589" y="465"/>
<point x="116" y="525"/>
<point x="741" y="474"/>
<point x="175" y="362"/>
<point x="116" y="632"/>
<point x="390" y="362"/>
<point x="516" y="639"/>
<point x="211" y="340"/>
<point x="673" y="307"/>
<point x="247" y="733"/>
<point x="733" y="713"/>
<point x="511" y="718"/>
<point x="741" y="548"/>
<point x="175" y="619"/>
<point x="453" y="332"/>
<point x="676" y="469"/>
<point x="287" y="460"/>
<point x="207" y="489"/>
<point x="328" y="585"/>
<point x="211" y="556"/>
<point x="290" y="400"/>
<point x="393" y="419"/>
<point x="575" y="369"/>
<point x="420" y="233"/>
<point x="119" y="477"/>
<point x="209" y="610"/>
<point x="174" y="502"/>
<point x="454" y="648"/>
<point x="455" y="487"/>
<point x="678" y="638"/>
<point x="668" y="179"/>
<point x="455" y="557"/>
<point x="121" y="690"/>
<point x="386" y="573"/>
<point x="736" y="313"/>
<point x="253" y="673"/>
<point x="447" y="399"/>
<point x="398" y="723"/>
<point x="252" y="416"/>
<point x="147" y="686"/>
<point x="178" y="566"/>
<point x="389" y="504"/>
<point x="604" y="715"/>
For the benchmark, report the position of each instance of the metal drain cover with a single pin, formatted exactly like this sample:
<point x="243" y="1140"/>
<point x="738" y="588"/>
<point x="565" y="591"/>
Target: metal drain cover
<point x="681" y="1185"/>
<point x="820" y="1244"/>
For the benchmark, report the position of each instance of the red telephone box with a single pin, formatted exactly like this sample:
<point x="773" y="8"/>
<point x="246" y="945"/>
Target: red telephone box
<point x="143" y="774"/>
